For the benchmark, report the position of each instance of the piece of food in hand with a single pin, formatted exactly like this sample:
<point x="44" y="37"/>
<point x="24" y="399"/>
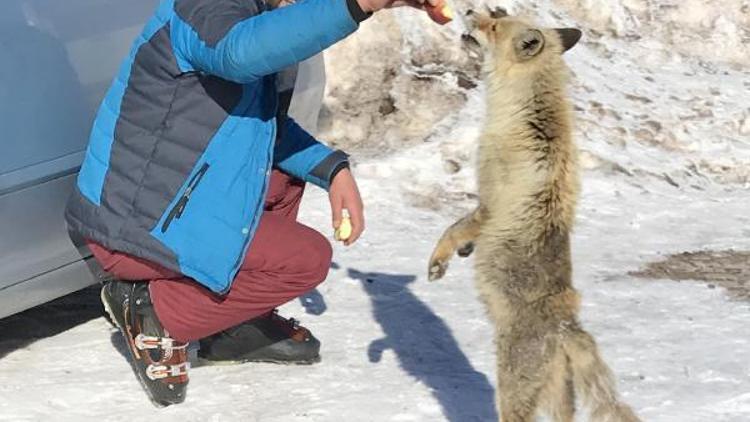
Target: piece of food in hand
<point x="440" y="13"/>
<point x="345" y="229"/>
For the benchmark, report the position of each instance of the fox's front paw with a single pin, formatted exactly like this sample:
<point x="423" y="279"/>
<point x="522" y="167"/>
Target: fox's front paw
<point x="437" y="269"/>
<point x="466" y="250"/>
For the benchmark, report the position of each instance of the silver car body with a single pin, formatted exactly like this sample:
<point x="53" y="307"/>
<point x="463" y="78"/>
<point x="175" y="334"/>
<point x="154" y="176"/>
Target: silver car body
<point x="57" y="58"/>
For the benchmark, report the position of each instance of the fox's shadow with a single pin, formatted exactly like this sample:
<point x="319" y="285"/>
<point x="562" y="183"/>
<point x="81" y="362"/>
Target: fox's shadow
<point x="426" y="348"/>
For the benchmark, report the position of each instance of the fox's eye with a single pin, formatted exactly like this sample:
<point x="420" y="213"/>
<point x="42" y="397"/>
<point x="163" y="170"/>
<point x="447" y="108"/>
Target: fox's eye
<point x="494" y="27"/>
<point x="497" y="12"/>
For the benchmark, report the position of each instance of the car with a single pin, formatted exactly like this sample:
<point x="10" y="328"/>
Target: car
<point x="57" y="59"/>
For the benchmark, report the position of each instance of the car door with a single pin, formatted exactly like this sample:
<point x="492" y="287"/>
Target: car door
<point x="57" y="58"/>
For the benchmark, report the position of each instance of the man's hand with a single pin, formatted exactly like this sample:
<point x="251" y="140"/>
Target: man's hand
<point x="375" y="5"/>
<point x="344" y="194"/>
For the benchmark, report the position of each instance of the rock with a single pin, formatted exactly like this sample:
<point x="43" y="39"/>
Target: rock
<point x="451" y="166"/>
<point x="644" y="136"/>
<point x="745" y="126"/>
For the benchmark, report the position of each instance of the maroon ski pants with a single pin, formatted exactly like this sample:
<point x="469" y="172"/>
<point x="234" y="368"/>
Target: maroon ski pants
<point x="284" y="261"/>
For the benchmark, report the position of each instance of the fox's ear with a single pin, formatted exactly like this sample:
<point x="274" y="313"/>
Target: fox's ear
<point x="529" y="43"/>
<point x="569" y="37"/>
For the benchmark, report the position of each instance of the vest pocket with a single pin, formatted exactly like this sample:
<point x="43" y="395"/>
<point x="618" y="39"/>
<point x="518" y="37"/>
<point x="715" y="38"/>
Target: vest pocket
<point x="179" y="207"/>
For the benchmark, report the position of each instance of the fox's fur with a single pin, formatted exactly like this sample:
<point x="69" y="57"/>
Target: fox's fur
<point x="528" y="188"/>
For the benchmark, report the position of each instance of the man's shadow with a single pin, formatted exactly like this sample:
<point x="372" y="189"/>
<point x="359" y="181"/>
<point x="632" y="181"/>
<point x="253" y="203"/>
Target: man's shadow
<point x="313" y="301"/>
<point x="50" y="319"/>
<point x="426" y="348"/>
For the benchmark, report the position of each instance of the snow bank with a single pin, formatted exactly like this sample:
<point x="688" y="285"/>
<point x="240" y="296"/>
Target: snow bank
<point x="661" y="90"/>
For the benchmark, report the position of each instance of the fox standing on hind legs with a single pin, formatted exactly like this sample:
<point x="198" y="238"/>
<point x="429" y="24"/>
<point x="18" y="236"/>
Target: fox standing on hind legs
<point x="528" y="185"/>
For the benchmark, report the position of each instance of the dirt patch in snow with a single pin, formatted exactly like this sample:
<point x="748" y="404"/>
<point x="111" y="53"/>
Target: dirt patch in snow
<point x="729" y="269"/>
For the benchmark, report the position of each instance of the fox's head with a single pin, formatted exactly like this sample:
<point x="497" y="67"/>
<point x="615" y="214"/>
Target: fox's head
<point x="510" y="40"/>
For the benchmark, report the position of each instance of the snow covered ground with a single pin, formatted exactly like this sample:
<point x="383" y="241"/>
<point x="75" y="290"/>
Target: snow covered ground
<point x="665" y="138"/>
<point x="397" y="348"/>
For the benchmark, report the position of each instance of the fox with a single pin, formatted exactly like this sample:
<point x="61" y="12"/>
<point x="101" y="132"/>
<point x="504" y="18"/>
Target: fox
<point x="528" y="186"/>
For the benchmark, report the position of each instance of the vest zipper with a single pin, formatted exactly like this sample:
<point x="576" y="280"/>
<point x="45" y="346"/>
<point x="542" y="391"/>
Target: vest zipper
<point x="176" y="211"/>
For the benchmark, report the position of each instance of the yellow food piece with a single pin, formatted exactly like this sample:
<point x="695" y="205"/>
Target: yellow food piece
<point x="344" y="230"/>
<point x="447" y="12"/>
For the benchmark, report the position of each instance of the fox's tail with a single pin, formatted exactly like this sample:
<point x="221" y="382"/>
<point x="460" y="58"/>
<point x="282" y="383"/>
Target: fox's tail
<point x="594" y="381"/>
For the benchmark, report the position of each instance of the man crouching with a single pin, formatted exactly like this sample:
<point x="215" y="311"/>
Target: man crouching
<point x="193" y="177"/>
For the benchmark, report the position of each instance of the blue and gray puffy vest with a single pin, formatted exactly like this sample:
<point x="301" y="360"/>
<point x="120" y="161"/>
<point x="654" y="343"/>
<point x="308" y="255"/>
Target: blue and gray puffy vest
<point x="183" y="144"/>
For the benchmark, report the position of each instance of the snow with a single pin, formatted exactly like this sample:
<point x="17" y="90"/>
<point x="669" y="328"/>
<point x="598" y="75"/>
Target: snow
<point x="398" y="348"/>
<point x="663" y="129"/>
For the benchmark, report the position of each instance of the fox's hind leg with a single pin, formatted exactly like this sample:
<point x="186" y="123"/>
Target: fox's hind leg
<point x="522" y="372"/>
<point x="457" y="238"/>
<point x="559" y="394"/>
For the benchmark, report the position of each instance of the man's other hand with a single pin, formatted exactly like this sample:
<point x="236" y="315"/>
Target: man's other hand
<point x="344" y="194"/>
